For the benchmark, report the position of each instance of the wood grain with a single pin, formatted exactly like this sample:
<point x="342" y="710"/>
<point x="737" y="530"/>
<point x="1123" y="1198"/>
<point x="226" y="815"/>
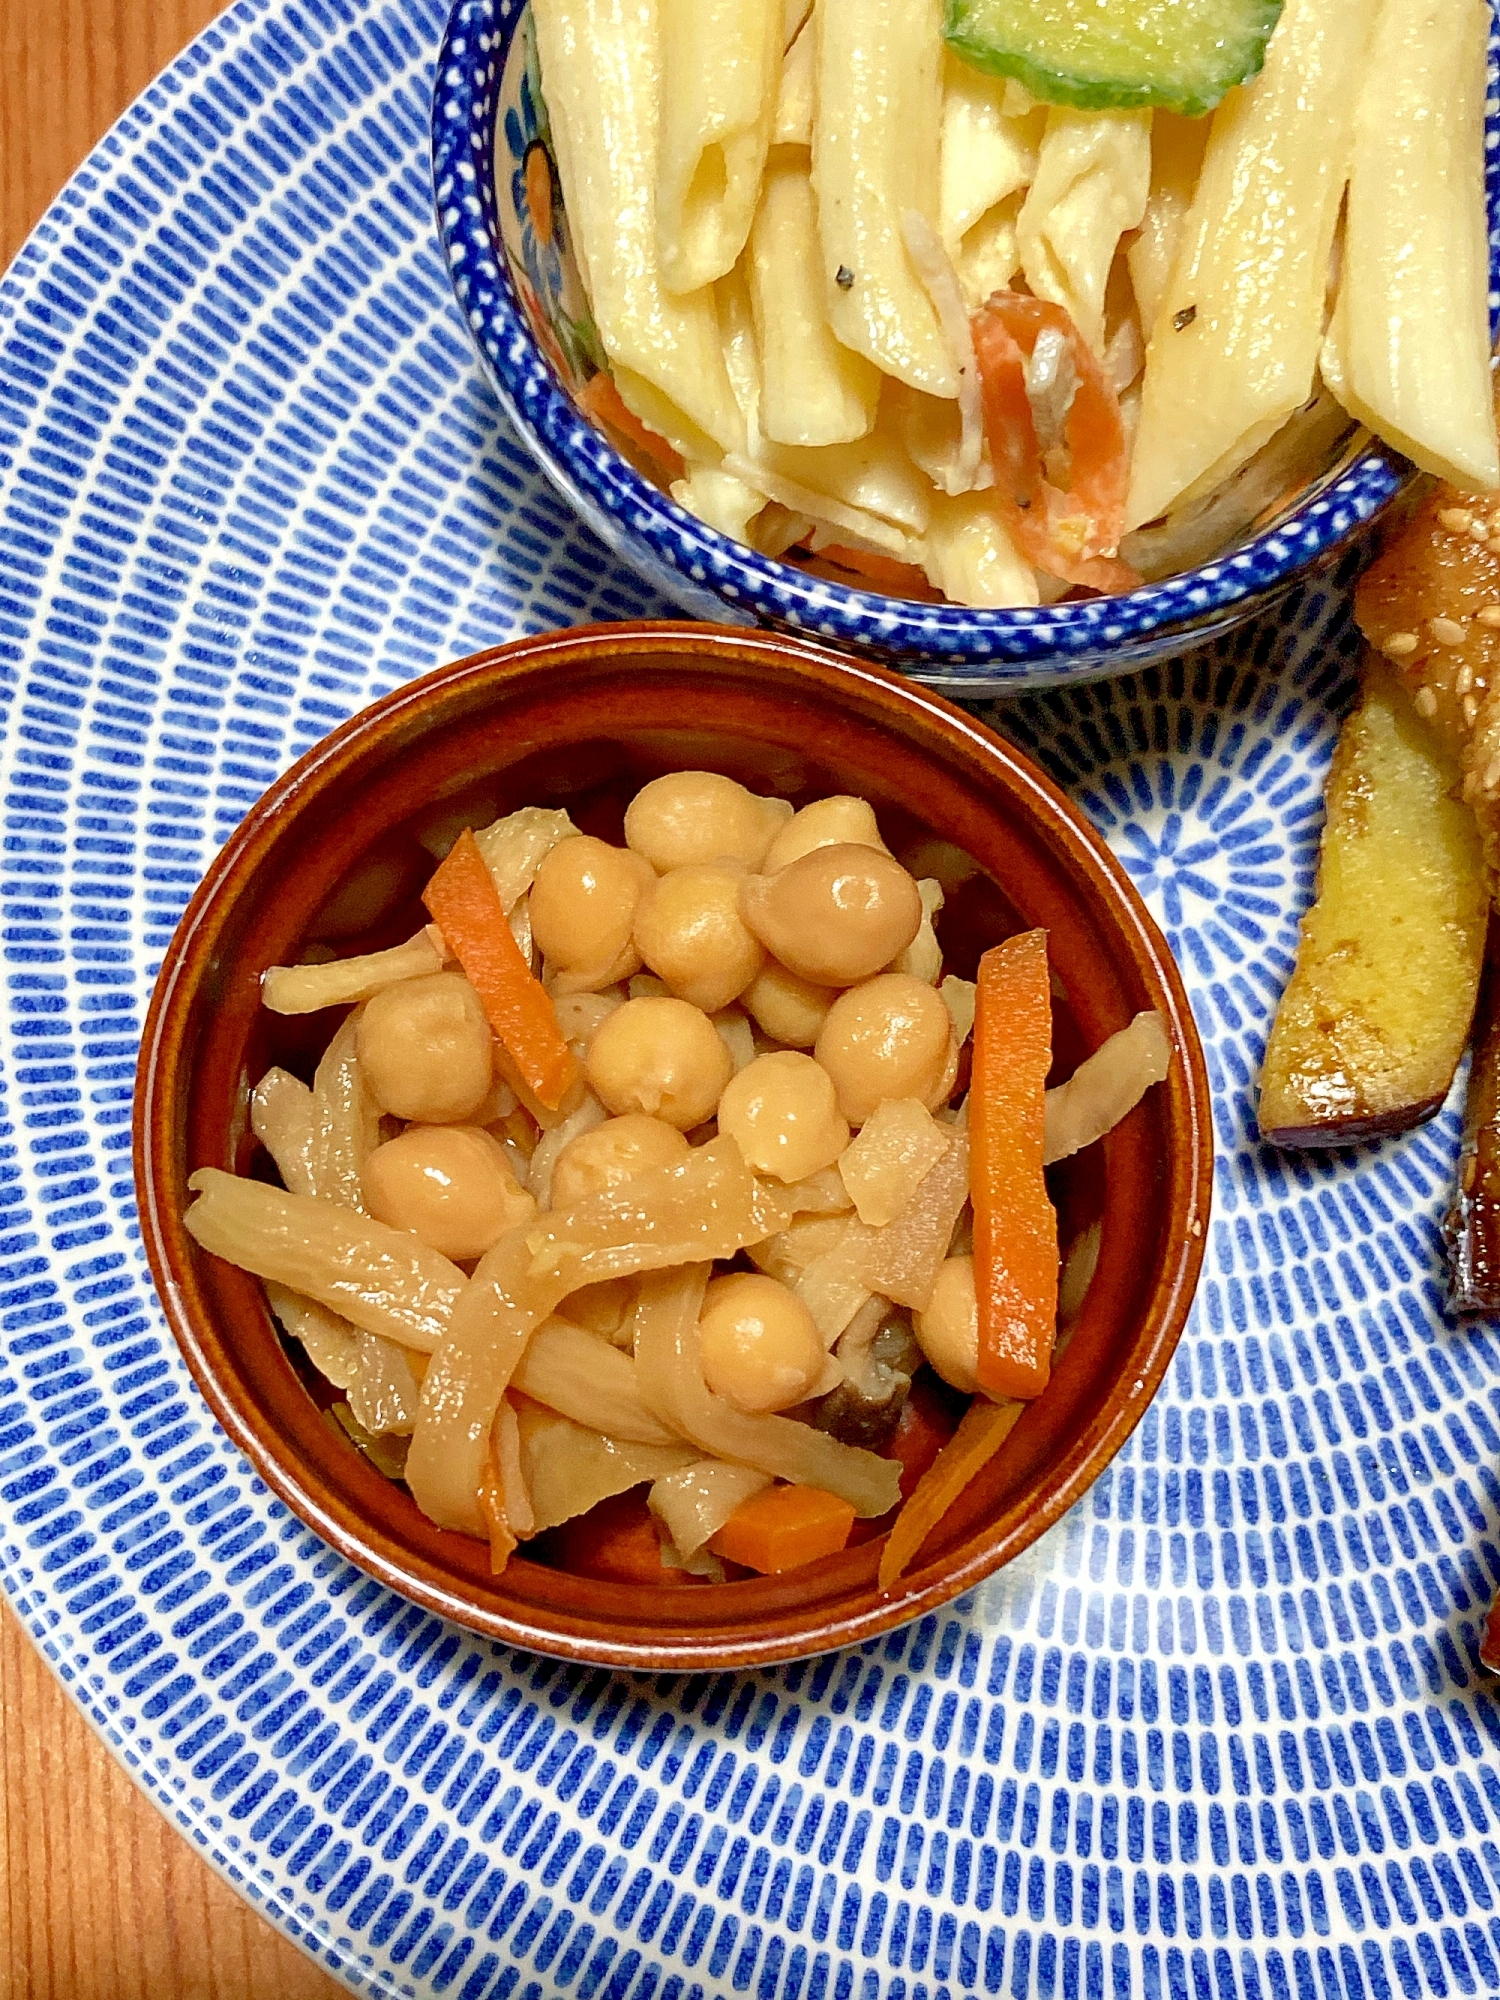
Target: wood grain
<point x="102" y="1899"/>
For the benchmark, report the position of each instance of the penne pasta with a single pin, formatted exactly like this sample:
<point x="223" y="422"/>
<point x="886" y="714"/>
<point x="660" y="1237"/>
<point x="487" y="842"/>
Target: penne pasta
<point x="988" y="159"/>
<point x="814" y="390"/>
<point x="876" y="135"/>
<point x="1408" y="351"/>
<point x="741" y="356"/>
<point x="872" y="475"/>
<point x="720" y="73"/>
<point x="1236" y="340"/>
<point x="1176" y="161"/>
<point x="717" y="497"/>
<point x="599" y="61"/>
<point x="968" y="554"/>
<point x="797" y="93"/>
<point x="1093" y="174"/>
<point x="819" y="509"/>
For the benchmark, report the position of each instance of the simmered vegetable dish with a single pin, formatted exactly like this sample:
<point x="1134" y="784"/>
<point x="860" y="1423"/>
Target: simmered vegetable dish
<point x="649" y="1205"/>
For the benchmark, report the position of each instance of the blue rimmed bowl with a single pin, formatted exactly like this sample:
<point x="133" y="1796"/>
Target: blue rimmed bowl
<point x="505" y="235"/>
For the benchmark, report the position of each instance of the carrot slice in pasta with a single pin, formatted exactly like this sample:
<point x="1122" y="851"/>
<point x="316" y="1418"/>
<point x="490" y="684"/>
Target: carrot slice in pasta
<point x="466" y="907"/>
<point x="783" y="1527"/>
<point x="1015" y="1224"/>
<point x="982" y="1430"/>
<point x="601" y="399"/>
<point x="1070" y="532"/>
<point x="887" y="572"/>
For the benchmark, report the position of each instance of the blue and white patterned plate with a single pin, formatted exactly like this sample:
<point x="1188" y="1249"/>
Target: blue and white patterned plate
<point x="1219" y="1734"/>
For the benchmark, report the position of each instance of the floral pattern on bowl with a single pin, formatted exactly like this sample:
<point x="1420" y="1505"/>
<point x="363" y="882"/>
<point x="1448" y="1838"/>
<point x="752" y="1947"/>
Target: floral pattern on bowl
<point x="534" y="223"/>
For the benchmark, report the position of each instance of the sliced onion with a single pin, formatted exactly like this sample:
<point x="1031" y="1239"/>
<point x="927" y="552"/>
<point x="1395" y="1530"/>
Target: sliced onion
<point x="1051" y="385"/>
<point x="1102" y="1090"/>
<point x="800" y="499"/>
<point x="1125" y="356"/>
<point x="935" y="268"/>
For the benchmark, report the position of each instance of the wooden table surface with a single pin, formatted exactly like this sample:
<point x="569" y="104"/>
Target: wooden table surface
<point x="101" y="1899"/>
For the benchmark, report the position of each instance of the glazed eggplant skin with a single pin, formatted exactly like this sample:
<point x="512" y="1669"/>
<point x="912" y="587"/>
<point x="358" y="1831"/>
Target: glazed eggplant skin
<point x="1472" y="1224"/>
<point x="1376" y="1014"/>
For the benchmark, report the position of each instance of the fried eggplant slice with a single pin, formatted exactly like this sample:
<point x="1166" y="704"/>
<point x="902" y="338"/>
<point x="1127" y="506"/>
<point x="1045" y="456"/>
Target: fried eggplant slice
<point x="1376" y="1014"/>
<point x="1472" y="1224"/>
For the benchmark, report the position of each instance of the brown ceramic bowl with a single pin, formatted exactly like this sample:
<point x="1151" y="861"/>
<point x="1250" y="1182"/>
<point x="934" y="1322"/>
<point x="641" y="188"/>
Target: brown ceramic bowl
<point x="582" y="718"/>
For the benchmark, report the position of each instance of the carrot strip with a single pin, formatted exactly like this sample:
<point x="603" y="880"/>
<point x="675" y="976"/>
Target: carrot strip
<point x="886" y="571"/>
<point x="783" y="1527"/>
<point x="922" y="1430"/>
<point x="983" y="1429"/>
<point x="1015" y="1225"/>
<point x="1070" y="533"/>
<point x="617" y="1542"/>
<point x="491" y="1498"/>
<point x="466" y="905"/>
<point x="601" y="399"/>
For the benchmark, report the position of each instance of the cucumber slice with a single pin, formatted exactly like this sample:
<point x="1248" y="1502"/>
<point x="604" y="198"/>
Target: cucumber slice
<point x="1116" y="55"/>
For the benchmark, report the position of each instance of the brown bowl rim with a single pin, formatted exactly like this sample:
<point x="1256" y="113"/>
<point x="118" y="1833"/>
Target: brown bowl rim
<point x="161" y="1086"/>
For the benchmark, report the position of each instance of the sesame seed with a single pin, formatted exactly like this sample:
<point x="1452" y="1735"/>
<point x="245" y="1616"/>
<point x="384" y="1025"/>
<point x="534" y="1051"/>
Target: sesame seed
<point x="1457" y="520"/>
<point x="1401" y="645"/>
<point x="1471" y="711"/>
<point x="1492" y="777"/>
<point x="1425" y="701"/>
<point x="1489" y="616"/>
<point x="1493" y="545"/>
<point x="1480" y="531"/>
<point x="1470" y="787"/>
<point x="1463" y="680"/>
<point x="1447" y="631"/>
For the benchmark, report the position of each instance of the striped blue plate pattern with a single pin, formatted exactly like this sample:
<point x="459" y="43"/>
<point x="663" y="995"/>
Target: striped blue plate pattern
<point x="1218" y="1735"/>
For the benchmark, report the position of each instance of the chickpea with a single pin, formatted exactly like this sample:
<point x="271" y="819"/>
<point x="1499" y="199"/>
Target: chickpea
<point x="891" y="1037"/>
<point x="689" y="931"/>
<point x="948" y="1331"/>
<point x="450" y="1185"/>
<point x="760" y="1348"/>
<point x="613" y="1153"/>
<point x="787" y="1008"/>
<point x="836" y="915"/>
<point x="691" y="816"/>
<point x="582" y="908"/>
<point x="424" y="1047"/>
<point x="826" y="822"/>
<point x="660" y="1056"/>
<point x="782" y="1114"/>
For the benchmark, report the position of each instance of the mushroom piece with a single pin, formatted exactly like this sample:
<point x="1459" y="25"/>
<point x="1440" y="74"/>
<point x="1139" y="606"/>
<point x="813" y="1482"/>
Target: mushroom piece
<point x="878" y="1353"/>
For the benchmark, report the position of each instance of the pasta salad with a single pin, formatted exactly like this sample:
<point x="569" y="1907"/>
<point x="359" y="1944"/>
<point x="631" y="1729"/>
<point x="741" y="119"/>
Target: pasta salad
<point x="874" y="309"/>
<point x="664" y="1204"/>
